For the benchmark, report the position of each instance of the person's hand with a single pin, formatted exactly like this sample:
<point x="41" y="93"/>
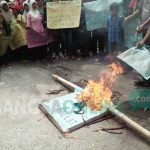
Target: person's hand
<point x="139" y="44"/>
<point x="126" y="18"/>
<point x="19" y="21"/>
<point x="140" y="28"/>
<point x="27" y="27"/>
<point x="1" y="17"/>
<point x="83" y="9"/>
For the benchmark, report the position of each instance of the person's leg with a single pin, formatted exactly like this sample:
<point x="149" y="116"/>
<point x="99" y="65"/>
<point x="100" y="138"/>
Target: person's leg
<point x="56" y="43"/>
<point x="42" y="52"/>
<point x="3" y="59"/>
<point x="101" y="45"/>
<point x="117" y="46"/>
<point x="65" y="38"/>
<point x="144" y="34"/>
<point x="16" y="54"/>
<point x="94" y="41"/>
<point x="86" y="43"/>
<point x="71" y="43"/>
<point x="57" y="46"/>
<point x="35" y="53"/>
<point x="24" y="53"/>
<point x="110" y="45"/>
<point x="82" y="41"/>
<point x="61" y="41"/>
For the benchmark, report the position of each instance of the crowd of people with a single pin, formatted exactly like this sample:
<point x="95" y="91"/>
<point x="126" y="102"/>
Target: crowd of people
<point x="16" y="19"/>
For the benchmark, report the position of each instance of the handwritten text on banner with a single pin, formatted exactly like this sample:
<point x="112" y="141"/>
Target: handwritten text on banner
<point x="64" y="14"/>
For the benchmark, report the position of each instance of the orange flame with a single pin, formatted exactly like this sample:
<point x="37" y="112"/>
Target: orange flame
<point x="111" y="56"/>
<point x="97" y="93"/>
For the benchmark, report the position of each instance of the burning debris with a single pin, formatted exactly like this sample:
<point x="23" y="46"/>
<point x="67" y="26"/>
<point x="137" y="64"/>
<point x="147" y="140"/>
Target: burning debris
<point x="103" y="94"/>
<point x="96" y="94"/>
<point x="111" y="56"/>
<point x="55" y="92"/>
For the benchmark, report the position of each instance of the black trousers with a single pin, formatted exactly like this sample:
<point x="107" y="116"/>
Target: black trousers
<point x="3" y="59"/>
<point x="21" y="53"/>
<point x="38" y="52"/>
<point x="83" y="39"/>
<point x="102" y="37"/>
<point x="93" y="43"/>
<point x="99" y="40"/>
<point x="62" y="43"/>
<point x="68" y="37"/>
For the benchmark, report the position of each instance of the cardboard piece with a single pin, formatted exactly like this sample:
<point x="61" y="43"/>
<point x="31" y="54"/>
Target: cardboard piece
<point x="97" y="12"/>
<point x="63" y="14"/>
<point x="138" y="58"/>
<point x="60" y="111"/>
<point x="130" y="32"/>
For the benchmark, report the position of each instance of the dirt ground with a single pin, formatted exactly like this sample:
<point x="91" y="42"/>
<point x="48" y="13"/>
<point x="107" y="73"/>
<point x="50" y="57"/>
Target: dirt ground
<point x="24" y="127"/>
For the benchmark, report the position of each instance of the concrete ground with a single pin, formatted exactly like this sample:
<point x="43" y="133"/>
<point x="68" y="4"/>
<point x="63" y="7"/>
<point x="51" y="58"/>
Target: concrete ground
<point x="24" y="127"/>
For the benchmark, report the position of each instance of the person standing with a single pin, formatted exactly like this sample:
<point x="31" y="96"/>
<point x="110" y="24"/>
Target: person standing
<point x="5" y="38"/>
<point x="25" y="8"/>
<point x="114" y="27"/>
<point x="5" y="11"/>
<point x="18" y="43"/>
<point x="144" y="10"/>
<point x="83" y="36"/>
<point x="34" y="22"/>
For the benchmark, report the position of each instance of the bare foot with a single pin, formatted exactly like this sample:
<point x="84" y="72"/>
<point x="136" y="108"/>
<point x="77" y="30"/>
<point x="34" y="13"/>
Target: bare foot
<point x="37" y="61"/>
<point x="7" y="64"/>
<point x="3" y="65"/>
<point x="24" y="61"/>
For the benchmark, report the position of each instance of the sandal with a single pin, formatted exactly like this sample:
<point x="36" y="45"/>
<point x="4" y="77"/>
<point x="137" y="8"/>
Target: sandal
<point x="67" y="58"/>
<point x="57" y="57"/>
<point x="37" y="61"/>
<point x="73" y="57"/>
<point x="141" y="83"/>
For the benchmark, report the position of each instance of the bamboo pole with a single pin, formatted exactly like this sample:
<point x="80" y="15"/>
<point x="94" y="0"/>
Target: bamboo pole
<point x="67" y="83"/>
<point x="127" y="120"/>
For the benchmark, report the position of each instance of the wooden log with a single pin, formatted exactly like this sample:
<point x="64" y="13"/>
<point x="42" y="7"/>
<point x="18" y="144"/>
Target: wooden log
<point x="127" y="120"/>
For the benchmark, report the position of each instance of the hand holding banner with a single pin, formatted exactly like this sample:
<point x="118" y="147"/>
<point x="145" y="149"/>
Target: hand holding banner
<point x="130" y="32"/>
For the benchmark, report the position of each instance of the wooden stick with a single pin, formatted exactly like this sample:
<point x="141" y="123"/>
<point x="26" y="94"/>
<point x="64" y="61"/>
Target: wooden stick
<point x="114" y="111"/>
<point x="67" y="83"/>
<point x="130" y="123"/>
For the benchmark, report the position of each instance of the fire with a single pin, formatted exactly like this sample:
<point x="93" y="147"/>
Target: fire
<point x="111" y="56"/>
<point x="96" y="94"/>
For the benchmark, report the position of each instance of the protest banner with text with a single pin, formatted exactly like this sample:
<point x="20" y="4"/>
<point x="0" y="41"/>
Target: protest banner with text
<point x="97" y="12"/>
<point x="63" y="14"/>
